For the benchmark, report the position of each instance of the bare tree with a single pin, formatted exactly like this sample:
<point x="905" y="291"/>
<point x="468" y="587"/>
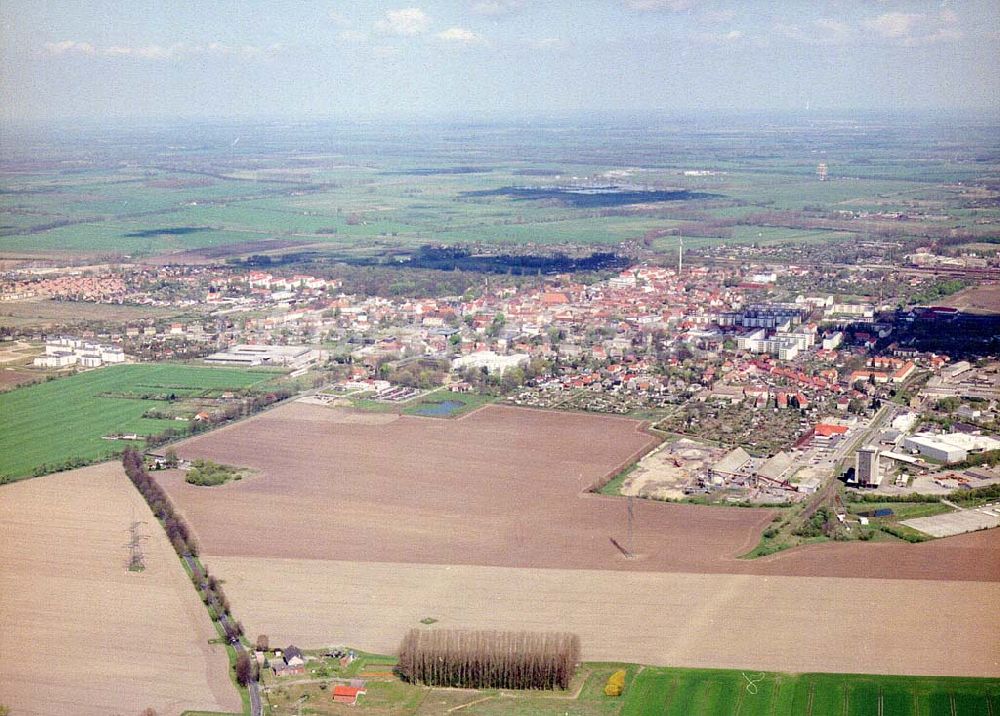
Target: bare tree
<point x="489" y="659"/>
<point x="244" y="670"/>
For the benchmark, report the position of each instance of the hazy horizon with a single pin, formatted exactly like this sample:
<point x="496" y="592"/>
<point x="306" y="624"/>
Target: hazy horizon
<point x="504" y="60"/>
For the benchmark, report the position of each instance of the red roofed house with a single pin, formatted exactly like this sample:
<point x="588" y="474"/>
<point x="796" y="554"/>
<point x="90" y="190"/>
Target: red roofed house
<point x="554" y="299"/>
<point x="903" y="372"/>
<point x="347" y="694"/>
<point x="826" y="430"/>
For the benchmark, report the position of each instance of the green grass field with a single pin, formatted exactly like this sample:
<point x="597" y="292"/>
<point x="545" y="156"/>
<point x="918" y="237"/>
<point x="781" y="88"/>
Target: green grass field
<point x="58" y="420"/>
<point x="655" y="691"/>
<point x="693" y="692"/>
<point x="402" y="186"/>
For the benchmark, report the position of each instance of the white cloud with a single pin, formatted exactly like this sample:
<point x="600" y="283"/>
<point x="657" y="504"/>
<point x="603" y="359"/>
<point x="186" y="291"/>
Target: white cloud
<point x="722" y="37"/>
<point x="643" y="5"/>
<point x="162" y="52"/>
<point x="405" y="22"/>
<point x="894" y="25"/>
<point x="720" y="15"/>
<point x="461" y="36"/>
<point x="152" y="52"/>
<point x="911" y="29"/>
<point x="824" y="31"/>
<point x="59" y="48"/>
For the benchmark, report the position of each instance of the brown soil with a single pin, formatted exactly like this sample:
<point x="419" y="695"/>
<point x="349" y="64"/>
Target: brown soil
<point x="12" y="377"/>
<point x="503" y="487"/>
<point x="79" y="633"/>
<point x="977" y="299"/>
<point x="796" y="624"/>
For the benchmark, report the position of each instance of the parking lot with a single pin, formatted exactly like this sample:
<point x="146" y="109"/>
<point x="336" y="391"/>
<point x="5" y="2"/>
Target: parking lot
<point x="955" y="523"/>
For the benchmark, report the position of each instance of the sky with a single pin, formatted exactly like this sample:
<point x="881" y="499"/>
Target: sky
<point x="504" y="59"/>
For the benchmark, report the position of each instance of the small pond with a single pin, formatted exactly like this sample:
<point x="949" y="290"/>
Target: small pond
<point x="442" y="409"/>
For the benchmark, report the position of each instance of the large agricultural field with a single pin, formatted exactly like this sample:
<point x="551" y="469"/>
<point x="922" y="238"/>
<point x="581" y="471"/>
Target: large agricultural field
<point x="83" y="635"/>
<point x="683" y="692"/>
<point x="682" y="619"/>
<point x="67" y="418"/>
<point x="364" y="189"/>
<point x="501" y="486"/>
<point x="376" y="522"/>
<point x="45" y="314"/>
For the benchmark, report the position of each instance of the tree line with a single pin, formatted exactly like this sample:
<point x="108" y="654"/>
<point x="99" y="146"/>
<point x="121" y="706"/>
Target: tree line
<point x="489" y="659"/>
<point x="185" y="545"/>
<point x="232" y="411"/>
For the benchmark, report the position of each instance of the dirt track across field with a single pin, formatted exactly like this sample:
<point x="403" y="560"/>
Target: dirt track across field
<point x="500" y="487"/>
<point x="881" y="626"/>
<point x="79" y="634"/>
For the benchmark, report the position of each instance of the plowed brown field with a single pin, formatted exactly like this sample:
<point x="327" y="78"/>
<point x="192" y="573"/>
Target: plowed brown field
<point x="352" y="530"/>
<point x="878" y="626"/>
<point x="500" y="487"/>
<point x="79" y="634"/>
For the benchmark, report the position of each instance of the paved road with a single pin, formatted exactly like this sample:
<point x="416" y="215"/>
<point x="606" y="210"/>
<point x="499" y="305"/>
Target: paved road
<point x="842" y="452"/>
<point x="253" y="687"/>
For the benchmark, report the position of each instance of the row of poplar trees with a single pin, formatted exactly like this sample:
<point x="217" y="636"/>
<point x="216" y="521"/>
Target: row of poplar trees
<point x="489" y="659"/>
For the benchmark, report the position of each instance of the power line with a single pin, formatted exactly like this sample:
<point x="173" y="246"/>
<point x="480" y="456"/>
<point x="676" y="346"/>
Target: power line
<point x="136" y="559"/>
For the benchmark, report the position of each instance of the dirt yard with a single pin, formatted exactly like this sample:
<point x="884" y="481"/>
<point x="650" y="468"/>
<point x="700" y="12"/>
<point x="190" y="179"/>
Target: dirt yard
<point x="18" y="352"/>
<point x="82" y="635"/>
<point x="664" y="473"/>
<point x="502" y="486"/>
<point x="791" y="624"/>
<point x="12" y="377"/>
